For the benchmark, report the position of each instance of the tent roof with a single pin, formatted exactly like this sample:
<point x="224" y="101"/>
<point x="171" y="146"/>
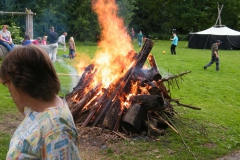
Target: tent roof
<point x="219" y="31"/>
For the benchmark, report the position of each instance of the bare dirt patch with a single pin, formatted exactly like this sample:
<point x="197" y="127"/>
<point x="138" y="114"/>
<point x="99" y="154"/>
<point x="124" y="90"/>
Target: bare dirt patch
<point x="93" y="140"/>
<point x="10" y="122"/>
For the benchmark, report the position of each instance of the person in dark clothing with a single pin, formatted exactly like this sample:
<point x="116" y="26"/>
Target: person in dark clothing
<point x="215" y="57"/>
<point x="53" y="41"/>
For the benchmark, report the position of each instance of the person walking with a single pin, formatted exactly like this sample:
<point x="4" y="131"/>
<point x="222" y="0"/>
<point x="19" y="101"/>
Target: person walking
<point x="174" y="44"/>
<point x="61" y="40"/>
<point x="47" y="130"/>
<point x="140" y="38"/>
<point x="132" y="34"/>
<point x="72" y="48"/>
<point x="215" y="56"/>
<point x="53" y="39"/>
<point x="6" y="39"/>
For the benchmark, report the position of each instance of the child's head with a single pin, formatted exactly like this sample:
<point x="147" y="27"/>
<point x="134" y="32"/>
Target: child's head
<point x="45" y="38"/>
<point x="71" y="39"/>
<point x="27" y="37"/>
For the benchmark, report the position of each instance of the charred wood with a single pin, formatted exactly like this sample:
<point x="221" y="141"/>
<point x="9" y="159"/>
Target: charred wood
<point x="149" y="102"/>
<point x="112" y="115"/>
<point x="95" y="108"/>
<point x="143" y="54"/>
<point x="134" y="117"/>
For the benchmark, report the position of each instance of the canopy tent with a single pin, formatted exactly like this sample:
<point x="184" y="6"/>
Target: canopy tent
<point x="205" y="39"/>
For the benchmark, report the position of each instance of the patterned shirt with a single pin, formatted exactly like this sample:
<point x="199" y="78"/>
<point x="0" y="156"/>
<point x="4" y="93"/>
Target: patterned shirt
<point x="49" y="135"/>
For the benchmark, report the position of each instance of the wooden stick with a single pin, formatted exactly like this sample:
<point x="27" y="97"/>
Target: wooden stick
<point x="120" y="135"/>
<point x="159" y="117"/>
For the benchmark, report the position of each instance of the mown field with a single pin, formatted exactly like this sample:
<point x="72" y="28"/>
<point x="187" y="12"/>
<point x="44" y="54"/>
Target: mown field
<point x="206" y="134"/>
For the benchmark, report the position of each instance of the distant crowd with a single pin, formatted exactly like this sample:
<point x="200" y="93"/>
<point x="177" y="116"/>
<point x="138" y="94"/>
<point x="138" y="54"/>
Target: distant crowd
<point x="52" y="40"/>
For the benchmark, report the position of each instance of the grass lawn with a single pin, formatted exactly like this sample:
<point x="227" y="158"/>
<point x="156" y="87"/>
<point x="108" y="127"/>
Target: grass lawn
<point x="205" y="134"/>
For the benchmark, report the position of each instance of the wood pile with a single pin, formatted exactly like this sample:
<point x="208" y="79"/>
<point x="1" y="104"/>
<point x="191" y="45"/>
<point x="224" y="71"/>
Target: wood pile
<point x="137" y="102"/>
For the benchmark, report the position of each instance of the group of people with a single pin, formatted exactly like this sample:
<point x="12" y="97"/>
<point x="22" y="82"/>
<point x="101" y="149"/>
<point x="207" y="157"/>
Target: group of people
<point x="214" y="48"/>
<point x="139" y="37"/>
<point x="38" y="41"/>
<point x="52" y="38"/>
<point x="214" y="51"/>
<point x="47" y="130"/>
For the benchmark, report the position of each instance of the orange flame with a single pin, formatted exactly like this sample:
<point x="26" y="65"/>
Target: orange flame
<point x="110" y="59"/>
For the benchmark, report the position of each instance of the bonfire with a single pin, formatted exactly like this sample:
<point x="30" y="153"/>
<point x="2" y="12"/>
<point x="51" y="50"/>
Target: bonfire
<point x="121" y="90"/>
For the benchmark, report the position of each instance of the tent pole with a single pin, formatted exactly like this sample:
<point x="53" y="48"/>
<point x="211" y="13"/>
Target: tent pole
<point x="206" y="43"/>
<point x="229" y="43"/>
<point x="219" y="17"/>
<point x="188" y="41"/>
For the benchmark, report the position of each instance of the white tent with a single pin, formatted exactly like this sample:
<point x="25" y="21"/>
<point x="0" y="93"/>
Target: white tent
<point x="204" y="39"/>
<point x="220" y="31"/>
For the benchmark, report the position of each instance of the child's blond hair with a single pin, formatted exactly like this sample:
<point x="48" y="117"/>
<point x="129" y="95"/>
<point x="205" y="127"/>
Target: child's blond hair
<point x="71" y="39"/>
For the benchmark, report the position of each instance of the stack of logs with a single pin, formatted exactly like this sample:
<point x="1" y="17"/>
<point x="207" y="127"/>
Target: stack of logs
<point x="148" y="107"/>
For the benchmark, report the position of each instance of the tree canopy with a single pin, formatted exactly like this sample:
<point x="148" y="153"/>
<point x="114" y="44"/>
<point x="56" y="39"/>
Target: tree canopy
<point x="152" y="17"/>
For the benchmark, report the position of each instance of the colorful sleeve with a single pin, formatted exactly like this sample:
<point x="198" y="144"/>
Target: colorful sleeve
<point x="60" y="145"/>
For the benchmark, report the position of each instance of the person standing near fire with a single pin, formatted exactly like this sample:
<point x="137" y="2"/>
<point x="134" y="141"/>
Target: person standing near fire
<point x="174" y="43"/>
<point x="140" y="38"/>
<point x="47" y="130"/>
<point x="72" y="48"/>
<point x="53" y="39"/>
<point x="132" y="34"/>
<point x="61" y="40"/>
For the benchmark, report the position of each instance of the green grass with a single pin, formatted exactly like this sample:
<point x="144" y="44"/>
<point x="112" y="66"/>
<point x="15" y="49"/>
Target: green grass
<point x="205" y="134"/>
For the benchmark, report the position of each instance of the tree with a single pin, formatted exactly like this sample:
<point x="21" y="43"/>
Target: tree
<point x="126" y="8"/>
<point x="82" y="21"/>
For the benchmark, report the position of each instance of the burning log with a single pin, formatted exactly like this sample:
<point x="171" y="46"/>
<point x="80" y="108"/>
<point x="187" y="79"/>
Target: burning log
<point x="83" y="83"/>
<point x="79" y="106"/>
<point x="143" y="55"/>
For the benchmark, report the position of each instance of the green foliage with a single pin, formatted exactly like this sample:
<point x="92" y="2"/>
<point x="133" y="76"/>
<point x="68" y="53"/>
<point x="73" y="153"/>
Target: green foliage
<point x="126" y="8"/>
<point x="152" y="17"/>
<point x="82" y="21"/>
